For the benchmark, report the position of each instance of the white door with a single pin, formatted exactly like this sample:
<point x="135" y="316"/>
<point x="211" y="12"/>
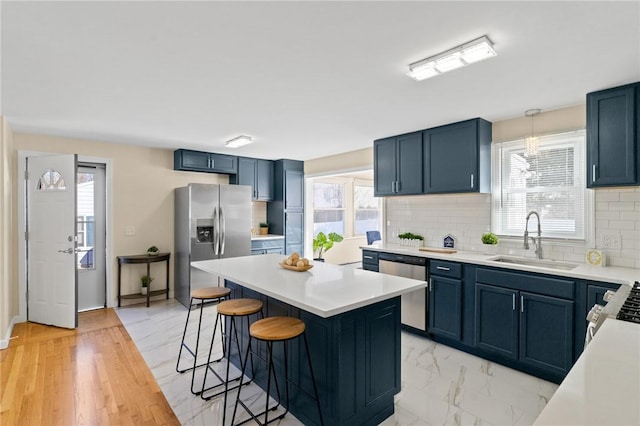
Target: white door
<point x="91" y="232"/>
<point x="51" y="236"/>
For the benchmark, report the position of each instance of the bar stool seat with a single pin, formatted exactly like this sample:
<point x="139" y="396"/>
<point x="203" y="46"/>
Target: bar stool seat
<point x="277" y="328"/>
<point x="202" y="296"/>
<point x="233" y="308"/>
<point x="239" y="307"/>
<point x="272" y="330"/>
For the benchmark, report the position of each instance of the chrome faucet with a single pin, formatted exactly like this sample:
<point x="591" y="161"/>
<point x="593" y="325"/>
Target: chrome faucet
<point x="538" y="243"/>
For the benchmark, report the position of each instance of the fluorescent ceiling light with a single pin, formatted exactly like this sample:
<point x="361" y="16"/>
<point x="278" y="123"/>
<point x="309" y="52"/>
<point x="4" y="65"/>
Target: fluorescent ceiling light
<point x="460" y="56"/>
<point x="238" y="142"/>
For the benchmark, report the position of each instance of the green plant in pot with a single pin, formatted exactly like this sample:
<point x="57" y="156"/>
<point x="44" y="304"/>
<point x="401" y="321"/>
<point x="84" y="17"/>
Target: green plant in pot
<point x="490" y="240"/>
<point x="323" y="243"/>
<point x="145" y="281"/>
<point x="264" y="228"/>
<point x="152" y="251"/>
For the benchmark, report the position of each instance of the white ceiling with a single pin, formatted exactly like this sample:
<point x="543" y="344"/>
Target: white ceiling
<point x="304" y="79"/>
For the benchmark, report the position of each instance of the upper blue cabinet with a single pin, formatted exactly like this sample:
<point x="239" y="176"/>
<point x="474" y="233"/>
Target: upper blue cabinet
<point x="457" y="157"/>
<point x="446" y="159"/>
<point x="397" y="165"/>
<point x="613" y="133"/>
<point x="198" y="161"/>
<point x="258" y="174"/>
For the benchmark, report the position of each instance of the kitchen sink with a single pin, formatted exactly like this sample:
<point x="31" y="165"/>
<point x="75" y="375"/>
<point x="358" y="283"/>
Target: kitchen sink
<point x="541" y="263"/>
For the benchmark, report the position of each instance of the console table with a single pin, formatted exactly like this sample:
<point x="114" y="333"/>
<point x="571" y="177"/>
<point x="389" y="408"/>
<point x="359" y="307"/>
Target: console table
<point x="148" y="259"/>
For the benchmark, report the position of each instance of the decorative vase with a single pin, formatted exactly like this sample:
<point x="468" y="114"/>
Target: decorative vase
<point x="143" y="290"/>
<point x="264" y="231"/>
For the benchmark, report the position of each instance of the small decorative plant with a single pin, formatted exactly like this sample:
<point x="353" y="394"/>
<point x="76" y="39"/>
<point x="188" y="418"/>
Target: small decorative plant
<point x="489" y="238"/>
<point x="145" y="281"/>
<point x="410" y="239"/>
<point x="323" y="243"/>
<point x="153" y="250"/>
<point x="264" y="228"/>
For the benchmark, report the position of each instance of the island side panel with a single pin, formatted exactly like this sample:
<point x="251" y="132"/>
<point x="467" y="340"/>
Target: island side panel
<point x="355" y="356"/>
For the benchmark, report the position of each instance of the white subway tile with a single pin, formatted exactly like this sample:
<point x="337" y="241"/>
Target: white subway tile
<point x="622" y="224"/>
<point x="608" y="215"/>
<point x="607" y="195"/>
<point x="622" y="205"/>
<point x="630" y="196"/>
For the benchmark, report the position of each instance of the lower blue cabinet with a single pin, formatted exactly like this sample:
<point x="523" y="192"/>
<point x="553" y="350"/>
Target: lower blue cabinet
<point x="445" y="307"/>
<point x="535" y="330"/>
<point x="497" y="320"/>
<point x="546" y="332"/>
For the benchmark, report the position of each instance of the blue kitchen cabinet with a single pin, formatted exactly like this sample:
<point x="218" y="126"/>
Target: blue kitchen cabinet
<point x="526" y="318"/>
<point x="397" y="165"/>
<point x="613" y="137"/>
<point x="370" y="260"/>
<point x="497" y="320"/>
<point x="445" y="299"/>
<point x="257" y="173"/>
<point x="285" y="213"/>
<point x="457" y="157"/>
<point x="546" y="333"/>
<point x="267" y="246"/>
<point x="209" y="162"/>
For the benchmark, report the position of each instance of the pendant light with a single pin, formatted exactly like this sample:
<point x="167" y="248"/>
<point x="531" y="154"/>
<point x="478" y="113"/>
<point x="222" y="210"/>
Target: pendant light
<point x="531" y="143"/>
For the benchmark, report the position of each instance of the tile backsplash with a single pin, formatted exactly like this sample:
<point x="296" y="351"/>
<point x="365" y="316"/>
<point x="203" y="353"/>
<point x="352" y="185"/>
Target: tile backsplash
<point x="468" y="216"/>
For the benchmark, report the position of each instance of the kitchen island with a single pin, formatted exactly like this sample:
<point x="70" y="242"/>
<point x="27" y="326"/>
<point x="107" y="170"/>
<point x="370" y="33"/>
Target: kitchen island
<point x="353" y="325"/>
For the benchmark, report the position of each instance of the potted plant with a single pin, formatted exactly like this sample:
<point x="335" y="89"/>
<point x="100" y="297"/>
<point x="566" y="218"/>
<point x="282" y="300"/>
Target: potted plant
<point x="323" y="243"/>
<point x="145" y="280"/>
<point x="410" y="239"/>
<point x="264" y="228"/>
<point x="490" y="240"/>
<point x="152" y="251"/>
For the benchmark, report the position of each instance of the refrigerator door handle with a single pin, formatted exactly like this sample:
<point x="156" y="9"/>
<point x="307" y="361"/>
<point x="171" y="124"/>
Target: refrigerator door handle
<point x="216" y="231"/>
<point x="223" y="227"/>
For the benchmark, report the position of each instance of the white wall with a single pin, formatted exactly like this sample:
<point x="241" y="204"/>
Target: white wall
<point x="8" y="270"/>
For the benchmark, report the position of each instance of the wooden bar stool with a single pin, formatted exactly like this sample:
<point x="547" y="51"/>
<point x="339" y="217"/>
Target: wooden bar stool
<point x="270" y="330"/>
<point x="235" y="308"/>
<point x="201" y="295"/>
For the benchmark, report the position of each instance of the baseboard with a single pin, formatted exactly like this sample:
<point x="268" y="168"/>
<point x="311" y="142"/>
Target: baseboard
<point x="4" y="343"/>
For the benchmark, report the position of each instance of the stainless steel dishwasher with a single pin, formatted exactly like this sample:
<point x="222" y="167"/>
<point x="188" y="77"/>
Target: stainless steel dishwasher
<point x="414" y="304"/>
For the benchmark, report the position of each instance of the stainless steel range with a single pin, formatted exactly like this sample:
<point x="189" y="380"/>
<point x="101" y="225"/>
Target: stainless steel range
<point x="623" y="305"/>
<point x="630" y="310"/>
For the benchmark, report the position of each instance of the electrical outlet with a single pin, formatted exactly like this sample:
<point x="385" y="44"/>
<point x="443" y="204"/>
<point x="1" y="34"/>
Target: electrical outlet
<point x="610" y="241"/>
<point x="129" y="230"/>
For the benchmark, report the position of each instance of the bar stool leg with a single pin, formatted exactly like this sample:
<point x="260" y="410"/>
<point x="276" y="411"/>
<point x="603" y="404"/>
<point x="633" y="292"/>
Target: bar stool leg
<point x="184" y="332"/>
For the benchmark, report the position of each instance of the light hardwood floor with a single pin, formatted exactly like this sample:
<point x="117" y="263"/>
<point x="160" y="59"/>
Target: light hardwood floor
<point x="93" y="375"/>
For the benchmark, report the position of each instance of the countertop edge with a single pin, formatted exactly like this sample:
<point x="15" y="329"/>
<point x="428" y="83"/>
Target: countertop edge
<point x="609" y="274"/>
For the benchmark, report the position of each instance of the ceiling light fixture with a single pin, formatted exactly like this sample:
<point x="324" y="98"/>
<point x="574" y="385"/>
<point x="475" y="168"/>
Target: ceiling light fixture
<point x="238" y="142"/>
<point x="460" y="56"/>
<point x="531" y="143"/>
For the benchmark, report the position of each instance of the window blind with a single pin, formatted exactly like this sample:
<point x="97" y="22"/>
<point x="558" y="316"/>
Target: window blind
<point x="550" y="181"/>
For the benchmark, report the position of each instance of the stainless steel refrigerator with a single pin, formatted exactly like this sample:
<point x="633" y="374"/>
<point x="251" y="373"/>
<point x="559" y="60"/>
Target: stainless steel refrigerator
<point x="211" y="222"/>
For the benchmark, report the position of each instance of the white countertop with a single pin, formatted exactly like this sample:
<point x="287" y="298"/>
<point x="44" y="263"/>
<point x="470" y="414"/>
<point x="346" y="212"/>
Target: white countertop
<point x="603" y="387"/>
<point x="609" y="274"/>
<point x="267" y="237"/>
<point x="324" y="290"/>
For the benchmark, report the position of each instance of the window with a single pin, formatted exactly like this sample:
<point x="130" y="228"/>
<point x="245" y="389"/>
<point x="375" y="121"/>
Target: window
<point x="51" y="180"/>
<point x="328" y="208"/>
<point x="550" y="181"/>
<point x="367" y="210"/>
<point x="345" y="206"/>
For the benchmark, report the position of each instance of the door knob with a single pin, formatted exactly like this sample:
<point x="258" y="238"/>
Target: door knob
<point x="68" y="251"/>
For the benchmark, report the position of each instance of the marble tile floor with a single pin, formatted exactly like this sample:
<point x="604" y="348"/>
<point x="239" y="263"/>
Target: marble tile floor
<point x="440" y="385"/>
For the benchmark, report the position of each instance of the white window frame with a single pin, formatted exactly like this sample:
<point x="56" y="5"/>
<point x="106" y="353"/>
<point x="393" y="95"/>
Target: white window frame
<point x="498" y="211"/>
